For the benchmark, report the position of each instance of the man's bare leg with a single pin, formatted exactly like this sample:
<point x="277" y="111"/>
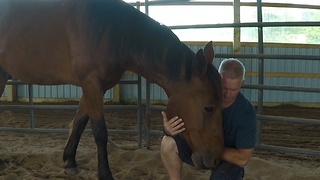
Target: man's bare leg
<point x="170" y="158"/>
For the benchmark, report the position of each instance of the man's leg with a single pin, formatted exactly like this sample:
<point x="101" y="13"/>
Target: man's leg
<point x="227" y="171"/>
<point x="170" y="158"/>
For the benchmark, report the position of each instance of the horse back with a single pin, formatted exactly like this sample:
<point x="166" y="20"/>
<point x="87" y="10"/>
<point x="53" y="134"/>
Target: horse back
<point x="34" y="44"/>
<point x="61" y="42"/>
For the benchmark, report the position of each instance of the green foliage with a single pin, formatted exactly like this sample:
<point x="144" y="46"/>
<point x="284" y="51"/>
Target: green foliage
<point x="296" y="34"/>
<point x="309" y="35"/>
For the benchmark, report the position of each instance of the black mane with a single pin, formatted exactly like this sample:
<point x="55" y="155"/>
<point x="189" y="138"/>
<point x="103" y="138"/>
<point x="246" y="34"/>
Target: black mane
<point x="130" y="33"/>
<point x="215" y="79"/>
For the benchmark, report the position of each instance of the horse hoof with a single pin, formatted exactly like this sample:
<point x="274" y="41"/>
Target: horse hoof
<point x="3" y="166"/>
<point x="72" y="171"/>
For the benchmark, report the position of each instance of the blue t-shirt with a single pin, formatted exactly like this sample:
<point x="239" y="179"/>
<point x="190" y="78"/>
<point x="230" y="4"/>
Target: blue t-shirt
<point x="239" y="124"/>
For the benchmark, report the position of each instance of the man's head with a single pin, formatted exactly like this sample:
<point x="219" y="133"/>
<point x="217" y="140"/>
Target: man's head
<point x="232" y="73"/>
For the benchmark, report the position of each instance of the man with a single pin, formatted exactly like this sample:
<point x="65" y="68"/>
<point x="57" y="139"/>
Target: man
<point x="239" y="126"/>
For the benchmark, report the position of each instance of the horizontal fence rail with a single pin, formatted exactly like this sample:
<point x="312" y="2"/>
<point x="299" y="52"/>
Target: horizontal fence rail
<point x="283" y="88"/>
<point x="289" y="120"/>
<point x="221" y="3"/>
<point x="257" y="24"/>
<point x="64" y="107"/>
<point x="288" y="150"/>
<point x="269" y="56"/>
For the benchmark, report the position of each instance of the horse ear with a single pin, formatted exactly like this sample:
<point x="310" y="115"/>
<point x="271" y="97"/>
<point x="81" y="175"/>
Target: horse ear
<point x="209" y="52"/>
<point x="199" y="63"/>
<point x="202" y="58"/>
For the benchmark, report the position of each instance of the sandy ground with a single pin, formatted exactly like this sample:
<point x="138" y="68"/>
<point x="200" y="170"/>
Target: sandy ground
<point x="35" y="156"/>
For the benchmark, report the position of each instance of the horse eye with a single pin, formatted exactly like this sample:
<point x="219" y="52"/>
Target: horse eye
<point x="208" y="109"/>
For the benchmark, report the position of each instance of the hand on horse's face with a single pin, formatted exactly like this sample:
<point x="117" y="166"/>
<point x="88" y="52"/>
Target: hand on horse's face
<point x="173" y="126"/>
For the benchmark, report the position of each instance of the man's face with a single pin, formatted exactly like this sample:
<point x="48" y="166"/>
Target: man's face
<point x="230" y="89"/>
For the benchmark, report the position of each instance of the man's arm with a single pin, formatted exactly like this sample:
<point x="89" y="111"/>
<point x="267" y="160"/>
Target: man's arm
<point x="239" y="157"/>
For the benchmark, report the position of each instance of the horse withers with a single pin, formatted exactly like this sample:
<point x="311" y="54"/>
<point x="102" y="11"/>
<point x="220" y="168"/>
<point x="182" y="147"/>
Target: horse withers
<point x="90" y="44"/>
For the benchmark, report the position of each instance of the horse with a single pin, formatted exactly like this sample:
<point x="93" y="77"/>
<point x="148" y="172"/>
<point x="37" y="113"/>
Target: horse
<point x="91" y="44"/>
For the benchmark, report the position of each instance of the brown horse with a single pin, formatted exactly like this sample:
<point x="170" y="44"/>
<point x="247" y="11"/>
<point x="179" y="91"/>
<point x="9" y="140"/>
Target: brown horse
<point x="91" y="43"/>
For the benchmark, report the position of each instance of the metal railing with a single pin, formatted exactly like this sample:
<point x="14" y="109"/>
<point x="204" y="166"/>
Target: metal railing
<point x="261" y="57"/>
<point x="31" y="107"/>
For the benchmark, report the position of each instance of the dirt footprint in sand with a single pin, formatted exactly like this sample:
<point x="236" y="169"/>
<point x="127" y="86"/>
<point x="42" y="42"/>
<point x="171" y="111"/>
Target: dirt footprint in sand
<point x="34" y="162"/>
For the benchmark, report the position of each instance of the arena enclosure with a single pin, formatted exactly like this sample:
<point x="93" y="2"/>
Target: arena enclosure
<point x="276" y="72"/>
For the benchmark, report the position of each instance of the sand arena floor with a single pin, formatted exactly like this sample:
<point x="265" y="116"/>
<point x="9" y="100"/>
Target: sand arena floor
<point x="39" y="156"/>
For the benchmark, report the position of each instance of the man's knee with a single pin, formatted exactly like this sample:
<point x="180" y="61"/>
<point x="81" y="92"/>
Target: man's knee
<point x="168" y="145"/>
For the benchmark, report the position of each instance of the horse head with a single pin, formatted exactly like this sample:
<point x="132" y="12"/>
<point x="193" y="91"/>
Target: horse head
<point x="198" y="103"/>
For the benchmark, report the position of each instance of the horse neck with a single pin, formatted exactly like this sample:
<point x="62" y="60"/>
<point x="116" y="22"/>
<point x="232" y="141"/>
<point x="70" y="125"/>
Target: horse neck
<point x="153" y="75"/>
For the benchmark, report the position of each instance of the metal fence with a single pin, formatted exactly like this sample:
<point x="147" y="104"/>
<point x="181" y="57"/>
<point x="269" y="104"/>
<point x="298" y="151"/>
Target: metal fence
<point x="31" y="107"/>
<point x="260" y="87"/>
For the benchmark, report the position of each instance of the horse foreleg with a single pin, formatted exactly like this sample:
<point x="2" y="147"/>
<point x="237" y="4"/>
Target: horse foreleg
<point x="77" y="127"/>
<point x="93" y="97"/>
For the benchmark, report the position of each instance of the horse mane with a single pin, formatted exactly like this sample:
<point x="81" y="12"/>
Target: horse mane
<point x="130" y="33"/>
<point x="215" y="79"/>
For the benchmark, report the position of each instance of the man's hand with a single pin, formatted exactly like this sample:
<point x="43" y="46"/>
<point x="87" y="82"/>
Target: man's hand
<point x="173" y="126"/>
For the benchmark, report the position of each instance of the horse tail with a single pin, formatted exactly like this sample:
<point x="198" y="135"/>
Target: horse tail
<point x="4" y="76"/>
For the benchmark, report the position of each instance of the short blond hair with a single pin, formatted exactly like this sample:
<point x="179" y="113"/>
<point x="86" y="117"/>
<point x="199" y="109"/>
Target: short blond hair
<point x="232" y="68"/>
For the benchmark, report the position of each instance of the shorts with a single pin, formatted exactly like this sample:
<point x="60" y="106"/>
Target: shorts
<point x="225" y="170"/>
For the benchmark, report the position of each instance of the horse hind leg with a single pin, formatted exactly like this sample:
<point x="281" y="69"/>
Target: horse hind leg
<point x="77" y="127"/>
